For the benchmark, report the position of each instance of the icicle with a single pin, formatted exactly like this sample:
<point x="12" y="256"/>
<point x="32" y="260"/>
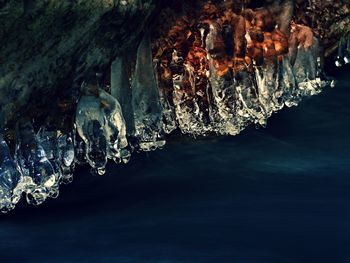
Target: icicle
<point x="101" y="125"/>
<point x="115" y="128"/>
<point x="9" y="178"/>
<point x="179" y="96"/>
<point x="343" y="55"/>
<point x="188" y="112"/>
<point x="222" y="87"/>
<point x="250" y="105"/>
<point x="47" y="137"/>
<point x="34" y="164"/>
<point x="166" y="89"/>
<point x="121" y="91"/>
<point x="145" y="100"/>
<point x="347" y="51"/>
<point x="306" y="69"/>
<point x="90" y="122"/>
<point x="66" y="156"/>
<point x="291" y="96"/>
<point x="340" y="55"/>
<point x="80" y="151"/>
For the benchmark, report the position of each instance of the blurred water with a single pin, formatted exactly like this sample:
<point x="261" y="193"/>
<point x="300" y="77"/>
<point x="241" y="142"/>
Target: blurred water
<point x="279" y="194"/>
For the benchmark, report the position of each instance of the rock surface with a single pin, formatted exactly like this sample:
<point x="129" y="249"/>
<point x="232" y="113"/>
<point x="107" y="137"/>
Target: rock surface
<point x="49" y="47"/>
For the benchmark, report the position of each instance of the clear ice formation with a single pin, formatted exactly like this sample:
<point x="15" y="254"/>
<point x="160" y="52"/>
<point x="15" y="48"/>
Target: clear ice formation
<point x="9" y="178"/>
<point x="343" y="56"/>
<point x="37" y="171"/>
<point x="138" y="113"/>
<point x="101" y="126"/>
<point x="145" y="100"/>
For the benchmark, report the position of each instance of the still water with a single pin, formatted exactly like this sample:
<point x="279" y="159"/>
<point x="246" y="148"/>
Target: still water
<point x="280" y="194"/>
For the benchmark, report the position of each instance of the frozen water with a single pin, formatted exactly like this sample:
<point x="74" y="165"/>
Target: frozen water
<point x="197" y="94"/>
<point x="33" y="164"/>
<point x="90" y="121"/>
<point x="145" y="99"/>
<point x="9" y="178"/>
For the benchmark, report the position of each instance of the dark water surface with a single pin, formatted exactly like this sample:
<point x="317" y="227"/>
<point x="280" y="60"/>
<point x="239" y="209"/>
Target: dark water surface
<point x="280" y="194"/>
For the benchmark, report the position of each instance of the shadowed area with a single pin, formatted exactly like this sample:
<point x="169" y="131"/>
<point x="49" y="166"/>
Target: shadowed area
<point x="279" y="194"/>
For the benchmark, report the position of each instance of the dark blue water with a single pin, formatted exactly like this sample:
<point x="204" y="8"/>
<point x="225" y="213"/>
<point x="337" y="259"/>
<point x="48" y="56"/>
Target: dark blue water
<point x="280" y="194"/>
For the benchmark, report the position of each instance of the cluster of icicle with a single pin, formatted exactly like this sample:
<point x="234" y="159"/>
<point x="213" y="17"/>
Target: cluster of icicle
<point x="343" y="56"/>
<point x="229" y="103"/>
<point x="137" y="116"/>
<point x="41" y="162"/>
